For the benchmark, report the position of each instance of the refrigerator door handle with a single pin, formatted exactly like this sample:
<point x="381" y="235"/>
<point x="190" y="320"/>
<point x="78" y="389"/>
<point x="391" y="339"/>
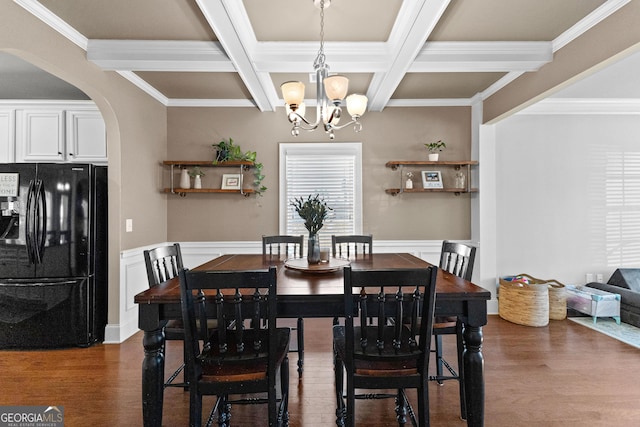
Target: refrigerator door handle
<point x="40" y="223"/>
<point x="29" y="229"/>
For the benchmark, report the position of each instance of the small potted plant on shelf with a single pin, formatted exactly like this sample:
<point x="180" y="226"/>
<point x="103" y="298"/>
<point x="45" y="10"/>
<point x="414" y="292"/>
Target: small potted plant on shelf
<point x="434" y="149"/>
<point x="227" y="151"/>
<point x="196" y="173"/>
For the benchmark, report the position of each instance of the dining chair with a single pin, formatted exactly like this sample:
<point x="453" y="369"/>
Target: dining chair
<point x="385" y="355"/>
<point x="288" y="245"/>
<point x="282" y="244"/>
<point x="164" y="263"/>
<point x="351" y="245"/>
<point x="243" y="358"/>
<point x="457" y="259"/>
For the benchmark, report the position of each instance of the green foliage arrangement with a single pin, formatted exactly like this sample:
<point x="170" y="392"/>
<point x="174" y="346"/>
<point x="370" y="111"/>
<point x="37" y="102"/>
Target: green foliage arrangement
<point x="196" y="171"/>
<point x="435" y="146"/>
<point x="313" y="210"/>
<point x="227" y="151"/>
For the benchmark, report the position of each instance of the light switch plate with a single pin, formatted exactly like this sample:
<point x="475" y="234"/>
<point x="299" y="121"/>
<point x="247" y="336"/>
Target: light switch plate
<point x="129" y="225"/>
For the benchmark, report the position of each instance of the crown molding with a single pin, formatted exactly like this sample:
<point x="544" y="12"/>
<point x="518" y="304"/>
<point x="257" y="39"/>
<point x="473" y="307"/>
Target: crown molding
<point x="578" y="106"/>
<point x="588" y="22"/>
<point x="45" y="15"/>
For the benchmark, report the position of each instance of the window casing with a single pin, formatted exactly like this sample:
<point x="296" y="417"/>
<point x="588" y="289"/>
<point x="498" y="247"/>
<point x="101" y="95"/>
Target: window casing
<point x="332" y="170"/>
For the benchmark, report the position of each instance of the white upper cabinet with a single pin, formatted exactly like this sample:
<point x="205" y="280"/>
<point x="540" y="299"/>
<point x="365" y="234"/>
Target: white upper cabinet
<point x="40" y="135"/>
<point x="86" y="137"/>
<point x="60" y="132"/>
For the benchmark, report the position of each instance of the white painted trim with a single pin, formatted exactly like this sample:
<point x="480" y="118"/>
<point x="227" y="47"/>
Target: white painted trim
<point x="588" y="22"/>
<point x="159" y="55"/>
<point x="49" y="103"/>
<point x="573" y="106"/>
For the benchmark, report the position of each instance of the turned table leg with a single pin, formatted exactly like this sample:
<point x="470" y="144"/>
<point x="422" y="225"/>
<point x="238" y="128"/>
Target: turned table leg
<point x="153" y="377"/>
<point x="474" y="375"/>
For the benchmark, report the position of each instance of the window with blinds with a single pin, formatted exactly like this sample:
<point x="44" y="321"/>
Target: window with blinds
<point x="332" y="170"/>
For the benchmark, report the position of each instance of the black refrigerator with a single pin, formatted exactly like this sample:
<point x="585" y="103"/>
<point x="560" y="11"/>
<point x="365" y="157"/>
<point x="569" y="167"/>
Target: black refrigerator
<point x="53" y="255"/>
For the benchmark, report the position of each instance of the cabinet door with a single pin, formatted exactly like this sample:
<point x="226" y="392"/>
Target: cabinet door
<point x="40" y="136"/>
<point x="7" y="136"/>
<point x="86" y="137"/>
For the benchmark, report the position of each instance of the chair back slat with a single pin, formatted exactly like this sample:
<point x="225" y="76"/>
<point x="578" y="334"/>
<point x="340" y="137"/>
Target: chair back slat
<point x="351" y="246"/>
<point x="162" y="263"/>
<point x="239" y="296"/>
<point x="390" y="294"/>
<point x="282" y="245"/>
<point x="457" y="259"/>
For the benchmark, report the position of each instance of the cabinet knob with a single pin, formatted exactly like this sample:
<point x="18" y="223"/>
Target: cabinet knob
<point x="71" y="154"/>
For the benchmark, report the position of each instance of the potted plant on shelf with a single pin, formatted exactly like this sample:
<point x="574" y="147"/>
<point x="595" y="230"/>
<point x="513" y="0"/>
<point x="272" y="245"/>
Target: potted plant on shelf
<point x="434" y="149"/>
<point x="314" y="211"/>
<point x="196" y="173"/>
<point x="227" y="151"/>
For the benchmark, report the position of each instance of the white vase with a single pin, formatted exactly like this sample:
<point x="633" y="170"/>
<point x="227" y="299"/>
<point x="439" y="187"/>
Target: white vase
<point x="433" y="157"/>
<point x="409" y="184"/>
<point x="197" y="182"/>
<point x="185" y="181"/>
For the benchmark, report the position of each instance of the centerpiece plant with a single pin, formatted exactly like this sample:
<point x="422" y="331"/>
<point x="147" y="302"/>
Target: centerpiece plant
<point x="313" y="210"/>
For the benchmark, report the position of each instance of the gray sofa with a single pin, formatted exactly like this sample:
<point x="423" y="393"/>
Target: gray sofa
<point x="626" y="282"/>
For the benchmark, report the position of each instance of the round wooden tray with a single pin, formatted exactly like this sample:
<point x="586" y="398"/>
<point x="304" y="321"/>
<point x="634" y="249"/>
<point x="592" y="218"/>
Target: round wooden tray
<point x="301" y="264"/>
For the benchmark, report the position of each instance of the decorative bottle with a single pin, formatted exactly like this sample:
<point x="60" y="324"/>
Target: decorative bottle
<point x="185" y="180"/>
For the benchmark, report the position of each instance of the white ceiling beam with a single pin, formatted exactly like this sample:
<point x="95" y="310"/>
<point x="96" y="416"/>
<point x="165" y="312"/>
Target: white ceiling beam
<point x="228" y="20"/>
<point x="342" y="57"/>
<point x="482" y="57"/>
<point x="292" y="57"/>
<point x="415" y="22"/>
<point x="159" y="55"/>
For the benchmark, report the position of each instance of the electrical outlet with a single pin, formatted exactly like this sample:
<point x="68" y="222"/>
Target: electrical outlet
<point x="128" y="225"/>
<point x="589" y="277"/>
<point x="599" y="278"/>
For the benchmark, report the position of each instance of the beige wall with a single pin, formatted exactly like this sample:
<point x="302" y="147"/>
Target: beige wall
<point x="136" y="133"/>
<point x="394" y="134"/>
<point x="613" y="38"/>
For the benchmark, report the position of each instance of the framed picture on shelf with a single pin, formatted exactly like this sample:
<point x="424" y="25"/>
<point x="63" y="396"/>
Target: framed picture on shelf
<point x="231" y="181"/>
<point x="431" y="179"/>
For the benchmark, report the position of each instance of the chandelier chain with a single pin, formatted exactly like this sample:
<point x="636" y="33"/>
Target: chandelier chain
<point x="319" y="61"/>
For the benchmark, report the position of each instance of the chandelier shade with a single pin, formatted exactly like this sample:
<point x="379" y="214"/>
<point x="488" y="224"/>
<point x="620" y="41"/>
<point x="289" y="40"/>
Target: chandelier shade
<point x="293" y="93"/>
<point x="336" y="87"/>
<point x="331" y="91"/>
<point x="356" y="104"/>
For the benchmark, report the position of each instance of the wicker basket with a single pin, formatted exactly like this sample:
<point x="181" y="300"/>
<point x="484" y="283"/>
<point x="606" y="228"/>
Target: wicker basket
<point x="524" y="303"/>
<point x="557" y="300"/>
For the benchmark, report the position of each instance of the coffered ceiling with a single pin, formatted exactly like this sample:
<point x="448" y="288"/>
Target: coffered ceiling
<point x="398" y="53"/>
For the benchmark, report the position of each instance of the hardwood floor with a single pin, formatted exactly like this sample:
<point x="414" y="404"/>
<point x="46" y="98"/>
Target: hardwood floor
<point x="560" y="375"/>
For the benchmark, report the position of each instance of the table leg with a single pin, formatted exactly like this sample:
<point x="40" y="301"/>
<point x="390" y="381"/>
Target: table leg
<point x="153" y="377"/>
<point x="474" y="375"/>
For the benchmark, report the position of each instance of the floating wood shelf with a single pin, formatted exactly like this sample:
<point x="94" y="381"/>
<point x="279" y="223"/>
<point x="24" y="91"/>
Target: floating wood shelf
<point x="242" y="165"/>
<point x="455" y="164"/>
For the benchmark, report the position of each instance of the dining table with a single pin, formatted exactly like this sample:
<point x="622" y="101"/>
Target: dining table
<point x="314" y="291"/>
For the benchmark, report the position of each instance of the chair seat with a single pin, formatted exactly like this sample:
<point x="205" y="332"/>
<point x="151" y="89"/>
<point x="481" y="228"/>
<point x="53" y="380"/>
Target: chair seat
<point x="388" y="361"/>
<point x="234" y="366"/>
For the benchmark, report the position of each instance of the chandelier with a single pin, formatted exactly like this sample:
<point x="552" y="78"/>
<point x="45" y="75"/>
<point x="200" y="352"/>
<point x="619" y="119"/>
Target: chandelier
<point x="330" y="91"/>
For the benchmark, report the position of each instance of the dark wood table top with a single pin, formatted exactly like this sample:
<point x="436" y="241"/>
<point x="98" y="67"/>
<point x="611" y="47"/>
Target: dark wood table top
<point x="299" y="283"/>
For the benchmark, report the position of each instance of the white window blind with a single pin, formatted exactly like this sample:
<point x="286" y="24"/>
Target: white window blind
<point x="331" y="170"/>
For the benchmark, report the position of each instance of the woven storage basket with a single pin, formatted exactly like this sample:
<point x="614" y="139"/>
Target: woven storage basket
<point x="524" y="303"/>
<point x="557" y="300"/>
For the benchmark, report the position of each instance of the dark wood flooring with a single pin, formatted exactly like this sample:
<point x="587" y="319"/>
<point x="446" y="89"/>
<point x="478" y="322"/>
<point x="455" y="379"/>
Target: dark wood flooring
<point x="560" y="375"/>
